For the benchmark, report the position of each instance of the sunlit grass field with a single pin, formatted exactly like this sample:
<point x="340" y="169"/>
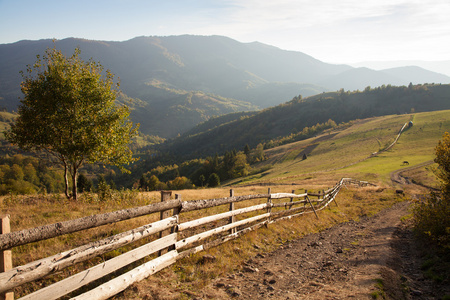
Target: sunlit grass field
<point x="346" y="152"/>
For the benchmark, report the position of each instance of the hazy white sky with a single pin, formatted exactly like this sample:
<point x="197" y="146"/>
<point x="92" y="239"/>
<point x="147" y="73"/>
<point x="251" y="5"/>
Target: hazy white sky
<point x="344" y="31"/>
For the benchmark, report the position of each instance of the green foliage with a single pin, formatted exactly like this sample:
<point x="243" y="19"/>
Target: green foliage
<point x="104" y="191"/>
<point x="213" y="180"/>
<point x="432" y="216"/>
<point x="180" y="183"/>
<point x="304" y="134"/>
<point x="69" y="110"/>
<point x="150" y="182"/>
<point x="21" y="174"/>
<point x="84" y="184"/>
<point x="443" y="160"/>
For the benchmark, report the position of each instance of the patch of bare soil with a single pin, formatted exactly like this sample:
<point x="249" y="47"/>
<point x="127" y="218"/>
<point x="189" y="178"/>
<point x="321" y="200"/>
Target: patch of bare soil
<point x="347" y="261"/>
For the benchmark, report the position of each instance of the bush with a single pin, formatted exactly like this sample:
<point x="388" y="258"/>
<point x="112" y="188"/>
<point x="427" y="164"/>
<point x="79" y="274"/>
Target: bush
<point x="431" y="217"/>
<point x="180" y="183"/>
<point x="213" y="180"/>
<point x="84" y="184"/>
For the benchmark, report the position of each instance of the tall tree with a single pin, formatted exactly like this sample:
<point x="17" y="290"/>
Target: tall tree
<point x="443" y="160"/>
<point x="69" y="110"/>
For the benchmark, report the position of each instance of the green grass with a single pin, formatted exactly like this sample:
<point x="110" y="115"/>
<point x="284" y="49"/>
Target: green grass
<point x="344" y="155"/>
<point x="380" y="293"/>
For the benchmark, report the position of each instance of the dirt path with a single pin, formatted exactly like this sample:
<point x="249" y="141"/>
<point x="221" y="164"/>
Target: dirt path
<point x="343" y="262"/>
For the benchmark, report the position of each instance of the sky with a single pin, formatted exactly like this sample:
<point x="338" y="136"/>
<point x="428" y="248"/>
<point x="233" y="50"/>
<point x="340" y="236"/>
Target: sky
<point x="344" y="31"/>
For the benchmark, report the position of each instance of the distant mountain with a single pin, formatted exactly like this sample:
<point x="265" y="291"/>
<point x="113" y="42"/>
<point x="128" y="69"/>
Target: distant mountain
<point x="173" y="83"/>
<point x="360" y="78"/>
<point x="442" y="67"/>
<point x="414" y="75"/>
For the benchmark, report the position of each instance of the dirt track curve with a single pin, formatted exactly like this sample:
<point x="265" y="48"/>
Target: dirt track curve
<point x="342" y="262"/>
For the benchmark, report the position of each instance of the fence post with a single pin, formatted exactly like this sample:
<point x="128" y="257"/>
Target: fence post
<point x="165" y="196"/>
<point x="176" y="210"/>
<point x="232" y="218"/>
<point x="304" y="204"/>
<point x="269" y="204"/>
<point x="312" y="206"/>
<point x="5" y="255"/>
<point x="292" y="199"/>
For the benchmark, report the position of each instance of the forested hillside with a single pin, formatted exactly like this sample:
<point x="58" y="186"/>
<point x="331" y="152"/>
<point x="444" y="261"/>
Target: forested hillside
<point x="292" y="117"/>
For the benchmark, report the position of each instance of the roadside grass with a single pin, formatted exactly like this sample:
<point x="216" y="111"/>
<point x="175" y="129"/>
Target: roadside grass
<point x="424" y="175"/>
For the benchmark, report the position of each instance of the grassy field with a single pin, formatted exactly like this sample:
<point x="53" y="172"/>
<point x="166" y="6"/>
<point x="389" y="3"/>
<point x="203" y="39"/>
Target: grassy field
<point x="344" y="152"/>
<point x="338" y="153"/>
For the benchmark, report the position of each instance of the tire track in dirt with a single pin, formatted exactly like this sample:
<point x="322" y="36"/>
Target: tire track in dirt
<point x="339" y="263"/>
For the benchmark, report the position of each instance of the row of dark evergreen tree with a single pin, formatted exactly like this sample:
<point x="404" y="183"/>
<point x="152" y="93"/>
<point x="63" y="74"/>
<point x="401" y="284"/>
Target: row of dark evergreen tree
<point x="208" y="172"/>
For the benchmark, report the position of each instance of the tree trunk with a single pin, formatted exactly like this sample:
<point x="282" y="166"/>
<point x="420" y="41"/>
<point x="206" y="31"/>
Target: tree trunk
<point x="74" y="182"/>
<point x="66" y="180"/>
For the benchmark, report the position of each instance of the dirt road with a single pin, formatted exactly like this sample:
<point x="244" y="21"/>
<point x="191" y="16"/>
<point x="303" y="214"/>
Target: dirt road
<point x="347" y="261"/>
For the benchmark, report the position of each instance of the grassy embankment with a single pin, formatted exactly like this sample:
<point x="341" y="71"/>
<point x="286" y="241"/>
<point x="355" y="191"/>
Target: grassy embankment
<point x="332" y="156"/>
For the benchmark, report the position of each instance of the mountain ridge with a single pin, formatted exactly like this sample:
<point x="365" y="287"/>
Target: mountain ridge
<point x="223" y="75"/>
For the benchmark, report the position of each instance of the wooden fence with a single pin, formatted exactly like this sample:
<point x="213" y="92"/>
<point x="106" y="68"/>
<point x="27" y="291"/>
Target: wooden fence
<point x="174" y="239"/>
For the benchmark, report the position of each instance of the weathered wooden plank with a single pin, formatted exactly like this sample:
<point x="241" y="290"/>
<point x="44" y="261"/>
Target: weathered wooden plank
<point x="43" y="267"/>
<point x="208" y="219"/>
<point x="289" y="204"/>
<point x="314" y="194"/>
<point x="233" y="236"/>
<point x="201" y="236"/>
<point x="278" y="214"/>
<point x="40" y="233"/>
<point x="78" y="280"/>
<point x="190" y="251"/>
<point x="221" y="240"/>
<point x="286" y="195"/>
<point x="120" y="283"/>
<point x="232" y="219"/>
<point x="207" y="203"/>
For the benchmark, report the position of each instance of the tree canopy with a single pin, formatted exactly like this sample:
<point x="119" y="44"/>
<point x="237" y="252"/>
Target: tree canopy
<point x="432" y="216"/>
<point x="443" y="160"/>
<point x="69" y="110"/>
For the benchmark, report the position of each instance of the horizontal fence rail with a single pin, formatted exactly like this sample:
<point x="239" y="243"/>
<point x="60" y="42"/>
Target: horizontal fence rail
<point x="176" y="239"/>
